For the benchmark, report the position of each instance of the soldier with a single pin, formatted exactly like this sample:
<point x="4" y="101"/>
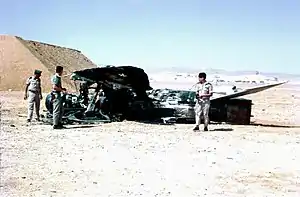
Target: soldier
<point x="57" y="98"/>
<point x="33" y="92"/>
<point x="203" y="94"/>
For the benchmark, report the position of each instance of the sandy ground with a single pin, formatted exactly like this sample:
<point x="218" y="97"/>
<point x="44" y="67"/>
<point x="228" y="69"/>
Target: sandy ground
<point x="135" y="159"/>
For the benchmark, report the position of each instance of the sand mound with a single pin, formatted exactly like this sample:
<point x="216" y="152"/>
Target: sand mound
<point x="19" y="58"/>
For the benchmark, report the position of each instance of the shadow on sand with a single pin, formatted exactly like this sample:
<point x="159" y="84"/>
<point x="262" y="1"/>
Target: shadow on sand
<point x="80" y="126"/>
<point x="185" y="122"/>
<point x="274" y="125"/>
<point x="154" y="122"/>
<point x="222" y="129"/>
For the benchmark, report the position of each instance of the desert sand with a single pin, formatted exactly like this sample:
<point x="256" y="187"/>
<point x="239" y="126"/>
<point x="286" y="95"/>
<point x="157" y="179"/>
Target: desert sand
<point x="135" y="159"/>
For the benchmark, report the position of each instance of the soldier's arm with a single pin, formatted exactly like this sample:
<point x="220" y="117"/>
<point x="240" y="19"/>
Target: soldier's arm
<point x="57" y="88"/>
<point x="197" y="90"/>
<point x="41" y="95"/>
<point x="26" y="89"/>
<point x="197" y="94"/>
<point x="210" y="90"/>
<point x="26" y="86"/>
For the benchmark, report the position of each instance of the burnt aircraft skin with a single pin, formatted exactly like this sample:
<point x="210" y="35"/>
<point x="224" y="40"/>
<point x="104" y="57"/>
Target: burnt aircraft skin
<point x="130" y="76"/>
<point x="225" y="108"/>
<point x="124" y="92"/>
<point x="119" y="93"/>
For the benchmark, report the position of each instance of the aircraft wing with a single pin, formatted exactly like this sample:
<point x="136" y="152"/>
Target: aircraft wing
<point x="248" y="91"/>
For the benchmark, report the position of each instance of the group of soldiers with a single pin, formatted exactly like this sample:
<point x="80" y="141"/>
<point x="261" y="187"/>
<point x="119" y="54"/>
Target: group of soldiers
<point x="33" y="93"/>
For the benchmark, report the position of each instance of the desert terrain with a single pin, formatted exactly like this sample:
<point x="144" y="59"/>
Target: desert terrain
<point x="136" y="159"/>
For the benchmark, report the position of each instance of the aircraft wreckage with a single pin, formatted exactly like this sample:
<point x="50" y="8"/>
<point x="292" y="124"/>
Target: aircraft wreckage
<point x="109" y="94"/>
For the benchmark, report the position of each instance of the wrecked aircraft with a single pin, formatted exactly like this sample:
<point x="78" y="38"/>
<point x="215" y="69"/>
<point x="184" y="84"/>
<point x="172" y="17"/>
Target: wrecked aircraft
<point x="225" y="106"/>
<point x="108" y="94"/>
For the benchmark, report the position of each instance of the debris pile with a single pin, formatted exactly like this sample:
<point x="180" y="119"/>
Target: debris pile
<point x="110" y="93"/>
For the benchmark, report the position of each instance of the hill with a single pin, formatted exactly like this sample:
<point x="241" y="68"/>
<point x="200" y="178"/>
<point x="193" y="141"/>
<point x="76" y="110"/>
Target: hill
<point x="20" y="57"/>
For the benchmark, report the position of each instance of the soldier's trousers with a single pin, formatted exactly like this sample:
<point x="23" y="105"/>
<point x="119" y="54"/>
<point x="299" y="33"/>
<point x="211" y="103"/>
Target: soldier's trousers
<point x="33" y="101"/>
<point x="202" y="108"/>
<point x="57" y="109"/>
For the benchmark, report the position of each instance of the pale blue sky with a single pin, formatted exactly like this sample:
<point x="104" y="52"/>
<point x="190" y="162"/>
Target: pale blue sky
<point x="226" y="34"/>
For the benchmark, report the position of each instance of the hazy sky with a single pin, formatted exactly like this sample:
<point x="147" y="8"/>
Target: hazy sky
<point x="226" y="34"/>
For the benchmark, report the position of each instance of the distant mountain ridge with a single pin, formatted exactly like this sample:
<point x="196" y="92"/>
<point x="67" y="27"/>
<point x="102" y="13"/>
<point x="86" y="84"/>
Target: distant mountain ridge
<point x="226" y="72"/>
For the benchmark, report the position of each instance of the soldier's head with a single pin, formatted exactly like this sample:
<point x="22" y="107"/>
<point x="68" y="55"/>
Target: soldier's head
<point x="202" y="77"/>
<point x="37" y="73"/>
<point x="59" y="70"/>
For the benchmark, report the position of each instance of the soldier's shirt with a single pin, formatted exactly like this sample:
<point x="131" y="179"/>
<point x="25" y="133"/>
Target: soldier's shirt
<point x="56" y="80"/>
<point x="34" y="84"/>
<point x="204" y="88"/>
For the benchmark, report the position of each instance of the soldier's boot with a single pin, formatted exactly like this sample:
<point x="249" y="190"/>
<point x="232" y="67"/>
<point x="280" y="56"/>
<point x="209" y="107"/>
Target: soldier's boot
<point x="196" y="128"/>
<point x="56" y="127"/>
<point x="61" y="125"/>
<point x="205" y="128"/>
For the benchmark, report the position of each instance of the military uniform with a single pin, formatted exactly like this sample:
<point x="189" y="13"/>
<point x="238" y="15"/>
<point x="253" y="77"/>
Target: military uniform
<point x="57" y="101"/>
<point x="203" y="104"/>
<point x="33" y="95"/>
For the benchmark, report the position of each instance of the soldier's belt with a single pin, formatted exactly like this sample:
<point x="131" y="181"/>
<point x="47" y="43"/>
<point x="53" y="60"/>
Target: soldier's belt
<point x="33" y="91"/>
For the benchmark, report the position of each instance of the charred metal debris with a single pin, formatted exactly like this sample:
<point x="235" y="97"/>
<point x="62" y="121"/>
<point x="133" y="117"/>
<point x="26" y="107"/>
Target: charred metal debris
<point x="110" y="94"/>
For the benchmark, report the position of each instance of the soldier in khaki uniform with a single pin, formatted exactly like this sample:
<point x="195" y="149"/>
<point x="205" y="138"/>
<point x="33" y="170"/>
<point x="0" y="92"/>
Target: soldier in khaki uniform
<point x="57" y="98"/>
<point x="203" y="94"/>
<point x="33" y="92"/>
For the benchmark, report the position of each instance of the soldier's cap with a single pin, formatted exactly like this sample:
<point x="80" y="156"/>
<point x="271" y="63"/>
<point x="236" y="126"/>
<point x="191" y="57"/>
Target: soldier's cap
<point x="37" y="72"/>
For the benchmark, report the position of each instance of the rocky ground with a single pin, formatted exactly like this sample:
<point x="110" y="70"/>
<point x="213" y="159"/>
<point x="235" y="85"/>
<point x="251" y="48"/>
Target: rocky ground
<point x="135" y="159"/>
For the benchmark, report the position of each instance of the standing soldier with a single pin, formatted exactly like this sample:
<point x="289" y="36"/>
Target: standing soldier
<point x="57" y="98"/>
<point x="203" y="94"/>
<point x="33" y="92"/>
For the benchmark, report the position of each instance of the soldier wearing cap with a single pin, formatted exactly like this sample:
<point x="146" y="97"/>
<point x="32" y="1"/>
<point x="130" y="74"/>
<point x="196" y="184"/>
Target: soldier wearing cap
<point x="203" y="94"/>
<point x="33" y="92"/>
<point x="57" y="91"/>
